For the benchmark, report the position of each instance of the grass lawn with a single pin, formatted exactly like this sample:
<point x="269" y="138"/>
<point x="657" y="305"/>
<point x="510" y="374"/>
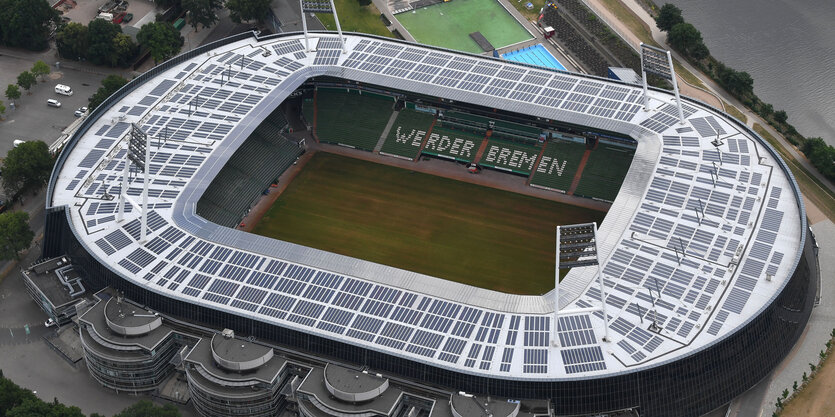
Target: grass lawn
<point x="356" y="18"/>
<point x="449" y="25"/>
<point x="445" y="228"/>
<point x="532" y="14"/>
<point x="733" y="111"/>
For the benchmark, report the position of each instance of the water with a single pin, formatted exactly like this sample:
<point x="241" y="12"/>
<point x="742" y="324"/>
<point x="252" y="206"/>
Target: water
<point x="535" y="55"/>
<point x="788" y="47"/>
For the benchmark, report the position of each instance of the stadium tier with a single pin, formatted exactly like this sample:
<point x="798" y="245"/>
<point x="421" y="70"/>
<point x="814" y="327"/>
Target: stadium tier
<point x="558" y="165"/>
<point x="510" y="156"/>
<point x="452" y="144"/>
<point x="720" y="239"/>
<point x="603" y="170"/>
<point x="407" y="133"/>
<point x="250" y="170"/>
<point x="349" y="118"/>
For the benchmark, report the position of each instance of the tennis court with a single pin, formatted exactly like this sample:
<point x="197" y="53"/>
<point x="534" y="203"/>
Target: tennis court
<point x="449" y="25"/>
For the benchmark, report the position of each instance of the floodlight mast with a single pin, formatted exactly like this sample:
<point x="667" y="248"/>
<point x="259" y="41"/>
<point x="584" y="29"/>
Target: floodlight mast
<point x="577" y="247"/>
<point x="304" y="27"/>
<point x="555" y="327"/>
<point x="644" y="77"/>
<point x="675" y="88"/>
<point x="338" y="28"/>
<point x="147" y="180"/>
<point x="123" y="193"/>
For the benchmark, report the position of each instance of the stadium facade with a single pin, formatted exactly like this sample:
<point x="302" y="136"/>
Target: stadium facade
<point x="709" y="268"/>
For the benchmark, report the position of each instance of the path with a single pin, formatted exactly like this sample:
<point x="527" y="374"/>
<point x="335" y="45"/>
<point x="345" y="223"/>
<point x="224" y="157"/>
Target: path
<point x="661" y="38"/>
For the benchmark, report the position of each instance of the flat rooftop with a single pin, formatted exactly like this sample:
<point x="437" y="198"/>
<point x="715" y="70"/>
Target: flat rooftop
<point x="58" y="292"/>
<point x="702" y="225"/>
<point x="97" y="317"/>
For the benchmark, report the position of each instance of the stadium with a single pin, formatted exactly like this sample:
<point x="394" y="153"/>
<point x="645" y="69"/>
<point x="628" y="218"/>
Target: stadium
<point x="708" y="267"/>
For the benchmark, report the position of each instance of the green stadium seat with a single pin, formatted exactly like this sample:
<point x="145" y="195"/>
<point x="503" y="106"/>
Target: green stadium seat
<point x="558" y="165"/>
<point x="604" y="172"/>
<point x="352" y="119"/>
<point x="510" y="156"/>
<point x="407" y="133"/>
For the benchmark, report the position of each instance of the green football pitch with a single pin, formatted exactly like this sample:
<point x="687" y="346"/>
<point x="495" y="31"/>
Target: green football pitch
<point x="449" y="25"/>
<point x="437" y="226"/>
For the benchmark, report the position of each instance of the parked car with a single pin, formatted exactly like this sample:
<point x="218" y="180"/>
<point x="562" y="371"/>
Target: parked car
<point x="18" y="142"/>
<point x="53" y="103"/>
<point x="80" y="112"/>
<point x="119" y="17"/>
<point x="128" y="18"/>
<point x="49" y="322"/>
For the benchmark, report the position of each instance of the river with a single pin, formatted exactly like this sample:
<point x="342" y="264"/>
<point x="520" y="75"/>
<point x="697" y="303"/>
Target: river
<point x="788" y="47"/>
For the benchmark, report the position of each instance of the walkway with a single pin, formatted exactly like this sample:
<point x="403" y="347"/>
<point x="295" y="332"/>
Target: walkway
<point x="661" y="38"/>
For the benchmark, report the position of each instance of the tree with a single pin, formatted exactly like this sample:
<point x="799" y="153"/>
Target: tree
<point x="71" y="41"/>
<point x="240" y="10"/>
<point x="26" y="23"/>
<point x="686" y="38"/>
<point x="780" y="116"/>
<point x="161" y="39"/>
<point x="12" y="92"/>
<point x="146" y="408"/>
<point x="26" y="80"/>
<point x="100" y="45"/>
<point x="124" y="49"/>
<point x="40" y="69"/>
<point x="110" y="85"/>
<point x="201" y="12"/>
<point x="805" y="377"/>
<point x="26" y="168"/>
<point x="668" y="16"/>
<point x="15" y="236"/>
<point x="2" y="109"/>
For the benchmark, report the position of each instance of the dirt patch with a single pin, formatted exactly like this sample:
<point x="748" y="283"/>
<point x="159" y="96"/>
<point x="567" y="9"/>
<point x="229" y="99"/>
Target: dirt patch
<point x="818" y="398"/>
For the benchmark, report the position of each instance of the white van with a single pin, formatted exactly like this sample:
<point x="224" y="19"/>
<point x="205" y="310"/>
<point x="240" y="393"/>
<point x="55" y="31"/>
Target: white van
<point x="63" y="89"/>
<point x="105" y="16"/>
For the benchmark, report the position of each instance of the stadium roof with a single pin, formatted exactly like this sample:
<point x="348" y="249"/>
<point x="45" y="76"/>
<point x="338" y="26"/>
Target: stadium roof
<point x="699" y="240"/>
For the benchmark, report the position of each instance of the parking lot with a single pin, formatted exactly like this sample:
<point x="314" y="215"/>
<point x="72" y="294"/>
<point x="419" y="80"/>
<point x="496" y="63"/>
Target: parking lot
<point x="86" y="10"/>
<point x="31" y="118"/>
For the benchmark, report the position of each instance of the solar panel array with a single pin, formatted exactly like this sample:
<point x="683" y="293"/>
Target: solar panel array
<point x="676" y="269"/>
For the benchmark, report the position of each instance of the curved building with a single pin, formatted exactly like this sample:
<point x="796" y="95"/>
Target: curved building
<point x="707" y="261"/>
<point x="233" y="377"/>
<point x="126" y="348"/>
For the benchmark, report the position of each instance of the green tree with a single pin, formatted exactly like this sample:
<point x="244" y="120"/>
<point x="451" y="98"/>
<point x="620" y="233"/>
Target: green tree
<point x="146" y="408"/>
<point x="100" y="45"/>
<point x="164" y="4"/>
<point x="780" y="116"/>
<point x="2" y="109"/>
<point x="71" y="41"/>
<point x="26" y="80"/>
<point x="161" y="39"/>
<point x="12" y="92"/>
<point x="15" y="236"/>
<point x="785" y="393"/>
<point x="40" y="69"/>
<point x="26" y="23"/>
<point x="240" y="10"/>
<point x="668" y="16"/>
<point x="110" y="85"/>
<point x="26" y="168"/>
<point x="201" y="12"/>
<point x="685" y="38"/>
<point x="124" y="49"/>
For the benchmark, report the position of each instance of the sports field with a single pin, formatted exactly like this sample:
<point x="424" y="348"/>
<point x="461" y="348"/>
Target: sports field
<point x="445" y="228"/>
<point x="449" y="25"/>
